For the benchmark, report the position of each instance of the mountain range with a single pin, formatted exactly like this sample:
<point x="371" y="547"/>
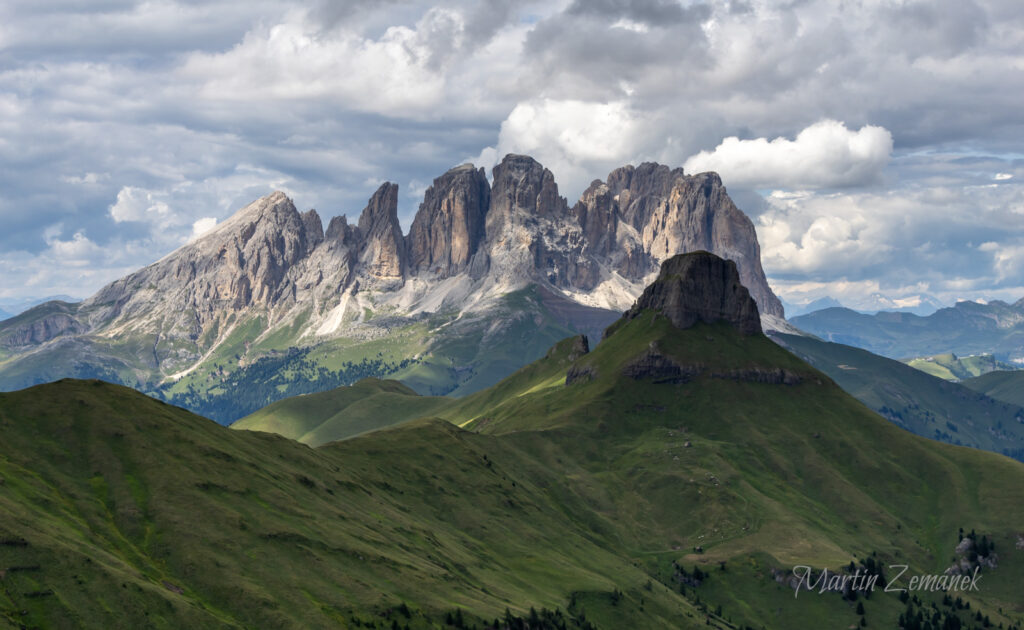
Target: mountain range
<point x="677" y="475"/>
<point x="920" y="304"/>
<point x="9" y="307"/>
<point x="491" y="273"/>
<point x="968" y="328"/>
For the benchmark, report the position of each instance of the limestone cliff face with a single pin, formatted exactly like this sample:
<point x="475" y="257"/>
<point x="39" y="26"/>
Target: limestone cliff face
<point x="449" y="227"/>
<point x="41" y="325"/>
<point x="526" y="210"/>
<point x="242" y="263"/>
<point x="523" y="187"/>
<point x="674" y="213"/>
<point x="699" y="287"/>
<point x="381" y="244"/>
<point x="261" y="262"/>
<point x="532" y="235"/>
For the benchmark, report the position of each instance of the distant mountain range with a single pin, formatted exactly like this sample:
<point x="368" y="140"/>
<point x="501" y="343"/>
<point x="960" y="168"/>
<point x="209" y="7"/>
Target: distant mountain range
<point x="13" y="306"/>
<point x="489" y="276"/>
<point x="969" y="328"/>
<point x="675" y="476"/>
<point x="876" y="302"/>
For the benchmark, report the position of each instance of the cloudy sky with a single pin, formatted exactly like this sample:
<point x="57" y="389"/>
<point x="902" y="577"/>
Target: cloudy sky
<point x="878" y="145"/>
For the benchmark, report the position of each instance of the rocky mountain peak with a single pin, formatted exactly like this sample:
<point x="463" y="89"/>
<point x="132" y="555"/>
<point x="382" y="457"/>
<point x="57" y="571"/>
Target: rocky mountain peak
<point x="449" y="226"/>
<point x="522" y="184"/>
<point x="314" y="227"/>
<point x="671" y="212"/>
<point x="382" y="246"/>
<point x="339" y="230"/>
<point x="275" y="208"/>
<point x="700" y="287"/>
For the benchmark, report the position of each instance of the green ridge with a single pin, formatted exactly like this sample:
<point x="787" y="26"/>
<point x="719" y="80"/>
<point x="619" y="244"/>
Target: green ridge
<point x="915" y="400"/>
<point x="1001" y="385"/>
<point x="950" y="367"/>
<point x="341" y="413"/>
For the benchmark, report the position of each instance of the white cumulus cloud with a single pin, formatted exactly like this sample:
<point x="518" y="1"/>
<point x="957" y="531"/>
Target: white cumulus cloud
<point x="136" y="204"/>
<point x="824" y="155"/>
<point x="202" y="226"/>
<point x="576" y="140"/>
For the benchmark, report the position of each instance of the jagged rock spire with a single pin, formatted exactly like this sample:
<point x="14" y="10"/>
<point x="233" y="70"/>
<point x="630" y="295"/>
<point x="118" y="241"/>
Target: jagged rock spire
<point x="449" y="226"/>
<point x="382" y="246"/>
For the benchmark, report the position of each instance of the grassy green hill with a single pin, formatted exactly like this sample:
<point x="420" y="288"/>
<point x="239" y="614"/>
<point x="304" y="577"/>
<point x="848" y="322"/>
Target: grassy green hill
<point x="341" y="413"/>
<point x="670" y="451"/>
<point x="917" y="401"/>
<point x="950" y="367"/>
<point x="120" y="511"/>
<point x="1001" y="385"/>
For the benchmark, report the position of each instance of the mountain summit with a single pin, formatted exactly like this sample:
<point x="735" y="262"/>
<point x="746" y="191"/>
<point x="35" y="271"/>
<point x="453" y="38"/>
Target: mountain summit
<point x="699" y="287"/>
<point x="508" y="265"/>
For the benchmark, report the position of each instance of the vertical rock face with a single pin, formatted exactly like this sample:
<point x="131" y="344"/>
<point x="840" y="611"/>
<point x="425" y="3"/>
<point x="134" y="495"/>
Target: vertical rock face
<point x="381" y="245"/>
<point x="518" y="231"/>
<point x="523" y="186"/>
<point x="526" y="229"/>
<point x="671" y="213"/>
<point x="699" y="287"/>
<point x="314" y="228"/>
<point x="640" y="190"/>
<point x="449" y="226"/>
<point x="339" y="231"/>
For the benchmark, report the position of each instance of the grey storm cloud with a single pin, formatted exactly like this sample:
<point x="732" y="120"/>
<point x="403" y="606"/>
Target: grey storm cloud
<point x="657" y="13"/>
<point x="126" y="126"/>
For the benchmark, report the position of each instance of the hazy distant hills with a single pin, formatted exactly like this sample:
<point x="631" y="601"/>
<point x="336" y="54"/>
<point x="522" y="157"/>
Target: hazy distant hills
<point x="921" y="304"/>
<point x="924" y="404"/>
<point x="490" y="275"/>
<point x="968" y="328"/>
<point x="672" y="477"/>
<point x="9" y="307"/>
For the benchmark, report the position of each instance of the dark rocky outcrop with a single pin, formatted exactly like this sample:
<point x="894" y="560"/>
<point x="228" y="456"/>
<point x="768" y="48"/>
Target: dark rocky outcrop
<point x="662" y="369"/>
<point x="449" y="227"/>
<point x="771" y="376"/>
<point x="580" y="374"/>
<point x="580" y="347"/>
<point x="699" y="287"/>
